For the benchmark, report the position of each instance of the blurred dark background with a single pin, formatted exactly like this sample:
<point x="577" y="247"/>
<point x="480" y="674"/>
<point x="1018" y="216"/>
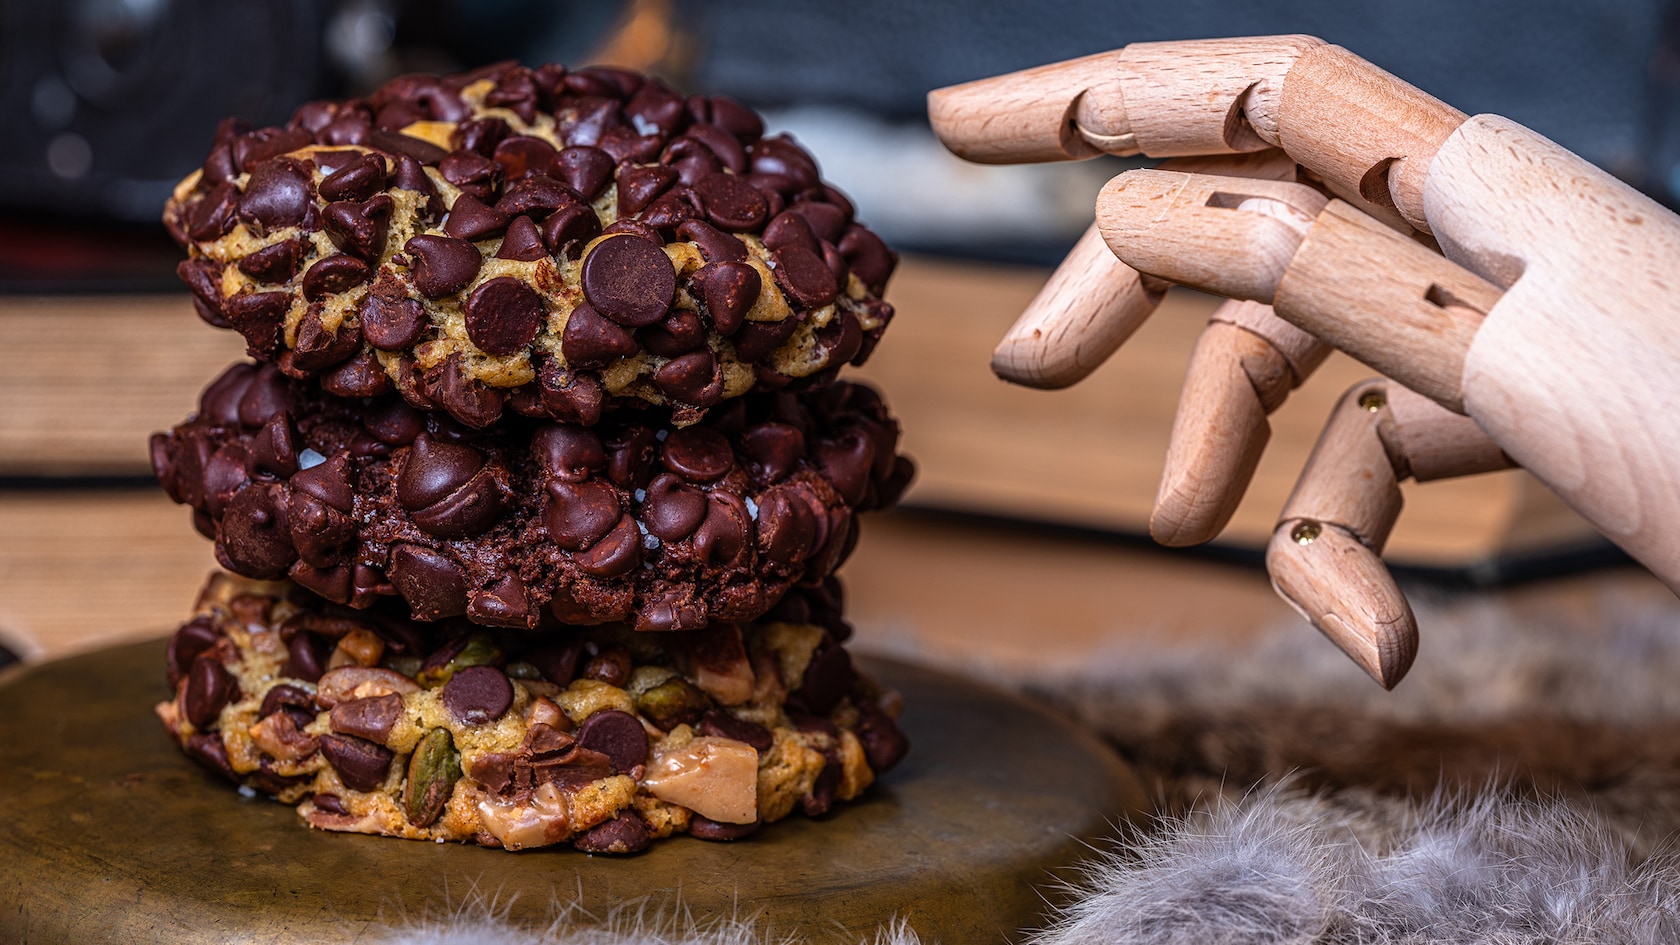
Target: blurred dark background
<point x="108" y="102"/>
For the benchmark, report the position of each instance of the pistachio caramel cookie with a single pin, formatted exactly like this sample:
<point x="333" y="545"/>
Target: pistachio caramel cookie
<point x="528" y="523"/>
<point x="537" y="241"/>
<point x="599" y="737"/>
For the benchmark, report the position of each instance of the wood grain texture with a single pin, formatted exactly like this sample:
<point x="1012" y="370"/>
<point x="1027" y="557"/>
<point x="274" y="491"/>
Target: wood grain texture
<point x="85" y="379"/>
<point x="1576" y="369"/>
<point x="1340" y="585"/>
<point x="1350" y="478"/>
<point x="1087" y="309"/>
<point x="1362" y="129"/>
<point x="1230" y="236"/>
<point x="1209" y="96"/>
<point x="1395" y="305"/>
<point x="1031" y="115"/>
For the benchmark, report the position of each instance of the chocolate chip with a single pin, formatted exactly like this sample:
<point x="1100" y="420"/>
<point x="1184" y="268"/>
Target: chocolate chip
<point x="697" y="453"/>
<point x="717" y="722"/>
<point x="724" y="536"/>
<point x="502" y="604"/>
<point x="468" y="511"/>
<point x="611" y="665"/>
<point x="568" y="452"/>
<point x="331" y="804"/>
<point x="680" y="332"/>
<point x="333" y="274"/>
<point x="616" y="734"/>
<point x="707" y="829"/>
<point x="691" y="379"/>
<point x="360" y="179"/>
<point x="616" y="554"/>
<point x="360" y="228"/>
<point x="306" y="656"/>
<point x="828" y="677"/>
<point x="371" y="718"/>
<point x="393" y="422"/>
<point x="277" y="194"/>
<point x="292" y="700"/>
<point x="524" y="156"/>
<point x="443" y="265"/>
<point x="846" y="461"/>
<point x="884" y="743"/>
<point x="639" y="184"/>
<point x="655" y="107"/>
<point x="691" y="159"/>
<point x="186" y="644"/>
<point x="725" y="146"/>
<point x="471" y="219"/>
<point x="628" y="147"/>
<point x="731" y="202"/>
<point x="503" y="315"/>
<point x="836" y="263"/>
<point x="568" y="395"/>
<point x="480" y="135"/>
<point x="277" y="263"/>
<point x="803" y="275"/>
<point x="821" y="797"/>
<point x="477" y="695"/>
<point x="434" y="586"/>
<point x="253" y="148"/>
<point x="360" y="764"/>
<point x="207" y="749"/>
<point x="469" y="401"/>
<point x="391" y="321"/>
<point x="223" y="475"/>
<point x="791" y="229"/>
<point x="728" y="114"/>
<point x="592" y="341"/>
<point x="523" y="242"/>
<point x="435" y="469"/>
<point x="400" y="145"/>
<point x="631" y="453"/>
<point x="213" y="215"/>
<point x="585" y="169"/>
<point x="258" y="317"/>
<point x="825" y="221"/>
<point x="538" y="197"/>
<point x="780" y="155"/>
<point x="210" y="687"/>
<point x="787" y="530"/>
<point x="755" y="340"/>
<point x="567" y="230"/>
<point x="714" y="244"/>
<point x="472" y="173"/>
<point x="672" y="510"/>
<point x="556" y="660"/>
<point x="409" y="175"/>
<point x="672" y="209"/>
<point x="254" y="537"/>
<point x="869" y="258"/>
<point x="204" y="278"/>
<point x="360" y="376"/>
<point x="729" y="290"/>
<point x="264" y="396"/>
<point x="624" y="833"/>
<point x="773" y="450"/>
<point x="629" y="280"/>
<point x="579" y="514"/>
<point x="517" y="91"/>
<point x="274" y="448"/>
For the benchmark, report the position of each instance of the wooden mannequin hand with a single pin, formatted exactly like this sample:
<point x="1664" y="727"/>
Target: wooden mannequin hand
<point x="1522" y="304"/>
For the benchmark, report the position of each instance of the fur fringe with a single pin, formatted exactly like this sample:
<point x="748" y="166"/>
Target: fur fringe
<point x="1286" y="868"/>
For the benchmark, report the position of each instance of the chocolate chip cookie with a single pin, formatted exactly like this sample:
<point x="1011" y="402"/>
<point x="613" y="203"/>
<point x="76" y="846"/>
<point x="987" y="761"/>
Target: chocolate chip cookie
<point x="527" y="523"/>
<point x="535" y="241"/>
<point x="602" y="737"/>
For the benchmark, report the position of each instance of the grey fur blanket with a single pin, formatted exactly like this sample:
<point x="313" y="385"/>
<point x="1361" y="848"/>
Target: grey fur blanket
<point x="1522" y="785"/>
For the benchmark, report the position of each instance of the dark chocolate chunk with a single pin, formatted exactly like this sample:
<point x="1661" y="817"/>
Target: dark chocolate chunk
<point x="694" y="378"/>
<point x="523" y="156"/>
<point x="731" y="203"/>
<point x="360" y="178"/>
<point x="538" y="197"/>
<point x="391" y="321"/>
<point x="714" y="244"/>
<point x="433" y="585"/>
<point x="443" y="265"/>
<point x="707" y="829"/>
<point x="639" y="184"/>
<point x="556" y="659"/>
<point x="803" y="275"/>
<point x="618" y="735"/>
<point x="259" y="317"/>
<point x="611" y="666"/>
<point x="359" y="376"/>
<point x="278" y="194"/>
<point x="333" y="274"/>
<point x="616" y="554"/>
<point x="214" y="214"/>
<point x="629" y="280"/>
<point x="306" y="656"/>
<point x="672" y="509"/>
<point x="360" y="764"/>
<point x="869" y="258"/>
<point x="371" y="718"/>
<point x="828" y="677"/>
<point x="207" y="749"/>
<point x="567" y="230"/>
<point x="477" y="695"/>
<point x="474" y="174"/>
<point x="254" y="536"/>
<point x="721" y="724"/>
<point x="729" y="290"/>
<point x="579" y="514"/>
<point x="698" y="454"/>
<point x="503" y="315"/>
<point x="210" y="687"/>
<point x="471" y="219"/>
<point x="193" y="638"/>
<point x="523" y="242"/>
<point x="276" y="263"/>
<point x="480" y="135"/>
<point x="585" y="169"/>
<point x="624" y="833"/>
<point x="568" y="452"/>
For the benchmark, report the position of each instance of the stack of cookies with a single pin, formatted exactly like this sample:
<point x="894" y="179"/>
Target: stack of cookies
<point x="534" y="490"/>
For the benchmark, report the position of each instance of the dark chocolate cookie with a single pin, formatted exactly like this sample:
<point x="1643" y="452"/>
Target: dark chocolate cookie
<point x="539" y="241"/>
<point x="533" y="522"/>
